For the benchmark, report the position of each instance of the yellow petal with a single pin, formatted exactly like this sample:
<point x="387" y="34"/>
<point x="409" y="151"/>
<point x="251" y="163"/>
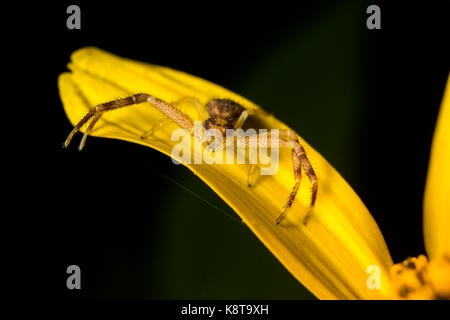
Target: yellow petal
<point x="436" y="211"/>
<point x="330" y="255"/>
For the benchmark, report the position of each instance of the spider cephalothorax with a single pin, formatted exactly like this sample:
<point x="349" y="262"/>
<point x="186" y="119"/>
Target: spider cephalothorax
<point x="223" y="114"/>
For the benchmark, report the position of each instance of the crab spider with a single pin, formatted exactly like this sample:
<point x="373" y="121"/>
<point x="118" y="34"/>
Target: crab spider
<point x="223" y="114"/>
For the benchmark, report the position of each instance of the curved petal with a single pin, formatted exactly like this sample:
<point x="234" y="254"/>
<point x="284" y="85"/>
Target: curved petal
<point x="436" y="219"/>
<point x="330" y="255"/>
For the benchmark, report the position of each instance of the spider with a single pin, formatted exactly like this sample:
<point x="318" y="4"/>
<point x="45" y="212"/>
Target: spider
<point x="223" y="114"/>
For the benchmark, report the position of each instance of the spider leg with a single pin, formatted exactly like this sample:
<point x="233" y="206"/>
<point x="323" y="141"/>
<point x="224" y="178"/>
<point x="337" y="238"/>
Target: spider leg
<point x="312" y="177"/>
<point x="95" y="113"/>
<point x="200" y="114"/>
<point x="298" y="178"/>
<point x="240" y="121"/>
<point x="309" y="173"/>
<point x="95" y="118"/>
<point x="287" y="134"/>
<point x="300" y="153"/>
<point x="299" y="159"/>
<point x="238" y="125"/>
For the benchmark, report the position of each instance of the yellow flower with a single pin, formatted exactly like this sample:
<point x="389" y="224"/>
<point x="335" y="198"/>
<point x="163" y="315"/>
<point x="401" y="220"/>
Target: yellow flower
<point x="340" y="253"/>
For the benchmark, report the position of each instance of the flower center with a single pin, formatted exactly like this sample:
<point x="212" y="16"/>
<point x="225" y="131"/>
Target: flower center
<point x="418" y="278"/>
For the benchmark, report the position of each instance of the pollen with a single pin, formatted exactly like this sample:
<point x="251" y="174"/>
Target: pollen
<point x="421" y="279"/>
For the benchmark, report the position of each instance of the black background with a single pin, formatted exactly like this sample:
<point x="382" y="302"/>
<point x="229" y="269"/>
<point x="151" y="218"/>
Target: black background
<point x="63" y="216"/>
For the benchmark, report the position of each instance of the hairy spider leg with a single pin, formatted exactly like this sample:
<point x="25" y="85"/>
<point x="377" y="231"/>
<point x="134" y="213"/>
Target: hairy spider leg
<point x="251" y="170"/>
<point x="309" y="171"/>
<point x="238" y="125"/>
<point x="299" y="160"/>
<point x="95" y="118"/>
<point x="200" y="111"/>
<point x="200" y="114"/>
<point x="181" y="119"/>
<point x="240" y="121"/>
<point x="298" y="178"/>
